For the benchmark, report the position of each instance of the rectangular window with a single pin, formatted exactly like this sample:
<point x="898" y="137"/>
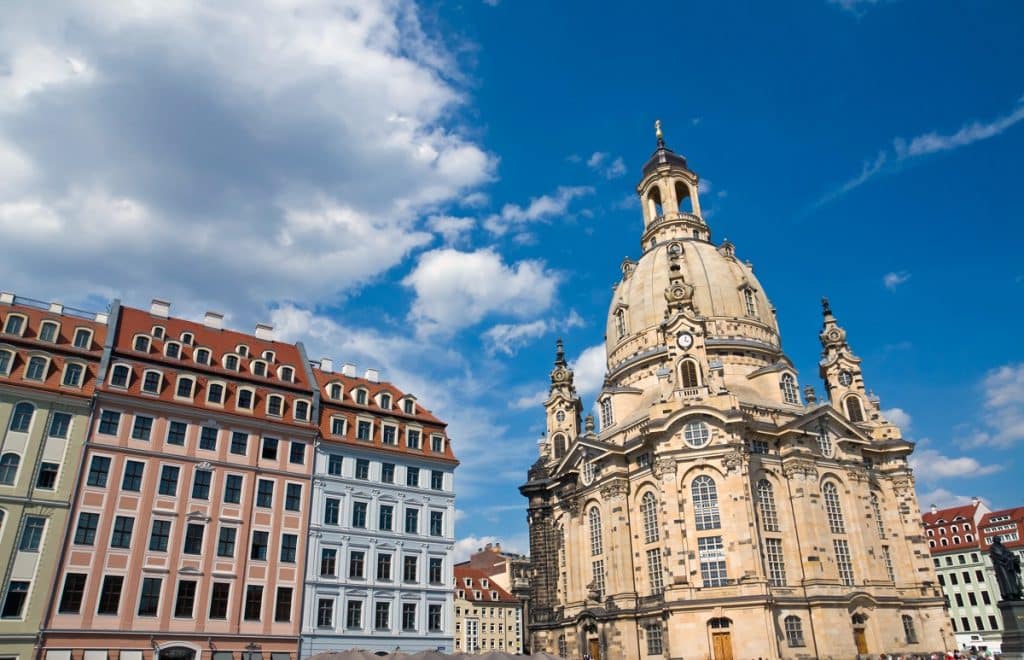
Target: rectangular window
<point x="436" y="523"/>
<point x="328" y="561"/>
<point x="971" y="598"/>
<point x="434" y="570"/>
<point x="98" y="470"/>
<point x="47" y="478"/>
<point x="436" y="444"/>
<point x="233" y="489"/>
<point x="387" y="473"/>
<point x="240" y="443"/>
<point x="434" y="618"/>
<point x="169" y="480"/>
<point x="384" y="567"/>
<point x="17" y="594"/>
<point x="655" y="645"/>
<point x="654" y="572"/>
<point x="332" y="507"/>
<point x="142" y="428"/>
<point x="60" y="423"/>
<point x="355" y="564"/>
<point x="110" y="594"/>
<point x="334" y="465"/>
<point x="219" y="600"/>
<point x="259" y="546"/>
<point x="176" y="433"/>
<point x="293" y="497"/>
<point x="325" y="613"/>
<point x="382" y="616"/>
<point x="269" y="449"/>
<point x="354" y="614"/>
<point x="186" y="600"/>
<point x="253" y="602"/>
<point x="265" y="493"/>
<point x="363" y="429"/>
<point x="412" y="521"/>
<point x="887" y="559"/>
<point x="71" y="596"/>
<point x="409" y="616"/>
<point x="132" y="479"/>
<point x="283" y="605"/>
<point x="194" y="539"/>
<point x="389" y="435"/>
<point x="436" y="480"/>
<point x="412" y="439"/>
<point x="201" y="484"/>
<point x="359" y="515"/>
<point x="121" y="537"/>
<point x="159" y="535"/>
<point x="385" y="518"/>
<point x="985" y="598"/>
<point x="843" y="561"/>
<point x="712" y="561"/>
<point x="362" y="468"/>
<point x="597" y="576"/>
<point x="289" y="543"/>
<point x="776" y="562"/>
<point x="978" y="625"/>
<point x="412" y="477"/>
<point x="151" y="382"/>
<point x="208" y="438"/>
<point x="297" y="453"/>
<point x="409" y="568"/>
<point x="85" y="533"/>
<point x="226" y="541"/>
<point x="109" y="421"/>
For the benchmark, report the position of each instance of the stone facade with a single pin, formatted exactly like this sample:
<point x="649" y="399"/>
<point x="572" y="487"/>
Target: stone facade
<point x="716" y="512"/>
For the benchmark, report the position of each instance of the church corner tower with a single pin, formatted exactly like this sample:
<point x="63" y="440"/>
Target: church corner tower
<point x="712" y="510"/>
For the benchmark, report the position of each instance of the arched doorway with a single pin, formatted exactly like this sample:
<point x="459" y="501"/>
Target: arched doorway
<point x="859" y="623"/>
<point x="177" y="653"/>
<point x="721" y="638"/>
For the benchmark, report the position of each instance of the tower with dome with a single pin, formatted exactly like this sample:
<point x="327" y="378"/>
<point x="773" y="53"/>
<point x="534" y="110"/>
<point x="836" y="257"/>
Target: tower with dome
<point x="713" y="509"/>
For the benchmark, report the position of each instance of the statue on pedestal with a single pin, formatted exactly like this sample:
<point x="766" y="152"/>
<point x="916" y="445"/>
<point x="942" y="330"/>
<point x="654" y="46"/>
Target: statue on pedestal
<point x="1007" y="567"/>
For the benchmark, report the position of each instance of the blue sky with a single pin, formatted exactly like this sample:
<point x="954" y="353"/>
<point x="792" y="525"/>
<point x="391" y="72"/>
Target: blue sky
<point x="440" y="190"/>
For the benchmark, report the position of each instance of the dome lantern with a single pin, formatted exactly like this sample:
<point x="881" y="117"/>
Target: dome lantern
<point x="668" y="196"/>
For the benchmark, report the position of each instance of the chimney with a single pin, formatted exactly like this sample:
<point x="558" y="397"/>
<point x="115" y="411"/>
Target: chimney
<point x="102" y="317"/>
<point x="975" y="501"/>
<point x="348" y="369"/>
<point x="160" y="308"/>
<point x="935" y="509"/>
<point x="214" y="320"/>
<point x="326" y="364"/>
<point x="264" y="331"/>
<point x="7" y="298"/>
<point x="57" y="308"/>
<point x="372" y="375"/>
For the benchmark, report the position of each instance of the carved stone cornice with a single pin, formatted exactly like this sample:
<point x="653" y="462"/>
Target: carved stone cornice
<point x="572" y="504"/>
<point x="800" y="468"/>
<point x="616" y="489"/>
<point x="664" y="467"/>
<point x="902" y="482"/>
<point x="734" y="460"/>
<point x="859" y="474"/>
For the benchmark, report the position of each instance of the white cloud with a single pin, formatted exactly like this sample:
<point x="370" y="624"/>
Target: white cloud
<point x="941" y="498"/>
<point x="899" y="417"/>
<point x="895" y="279"/>
<point x="456" y="289"/>
<point x="508" y="338"/>
<point x="853" y="6"/>
<point x="869" y="168"/>
<point x="704" y="186"/>
<point x="930" y="465"/>
<point x="609" y="167"/>
<point x="454" y="230"/>
<point x="596" y="159"/>
<point x="529" y="401"/>
<point x="514" y="217"/>
<point x="475" y="200"/>
<point x="1002" y="420"/>
<point x="616" y="169"/>
<point x="589" y="370"/>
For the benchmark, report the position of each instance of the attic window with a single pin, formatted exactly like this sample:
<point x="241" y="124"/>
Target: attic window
<point x="187" y="338"/>
<point x="409" y="406"/>
<point x="287" y="374"/>
<point x="242" y="350"/>
<point x="385" y="401"/>
<point x="268" y="356"/>
<point x="158" y="332"/>
<point x="749" y="302"/>
<point x="48" y="331"/>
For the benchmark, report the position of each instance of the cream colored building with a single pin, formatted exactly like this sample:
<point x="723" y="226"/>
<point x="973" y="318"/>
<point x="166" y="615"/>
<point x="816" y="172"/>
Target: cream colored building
<point x="487" y="617"/>
<point x="716" y="512"/>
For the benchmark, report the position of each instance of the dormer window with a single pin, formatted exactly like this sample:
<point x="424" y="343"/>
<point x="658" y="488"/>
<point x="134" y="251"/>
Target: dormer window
<point x="287" y="374"/>
<point x="231" y="362"/>
<point x="789" y="391"/>
<point x="73" y="373"/>
<point x="302" y="411"/>
<point x="409" y="406"/>
<point x="749" y="302"/>
<point x="172" y="350"/>
<point x="6" y="359"/>
<point x="468" y="581"/>
<point x="385" y="401"/>
<point x="268" y="356"/>
<point x="83" y="338"/>
<point x="485" y="584"/>
<point x="361" y="397"/>
<point x="275" y="404"/>
<point x="245" y="398"/>
<point x="187" y="338"/>
<point x="202" y="356"/>
<point x="215" y="393"/>
<point x="119" y="375"/>
<point x="141" y="343"/>
<point x="620" y="323"/>
<point x="436" y="444"/>
<point x="334" y="391"/>
<point x="185" y="388"/>
<point x="157" y="332"/>
<point x="48" y="331"/>
<point x="15" y="324"/>
<point x="853" y="409"/>
<point x="37" y="368"/>
<point x="242" y="350"/>
<point x="337" y="426"/>
<point x="607" y="419"/>
<point x="258" y="367"/>
<point x="151" y="382"/>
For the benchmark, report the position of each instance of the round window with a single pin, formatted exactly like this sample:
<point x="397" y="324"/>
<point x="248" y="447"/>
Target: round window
<point x="696" y="434"/>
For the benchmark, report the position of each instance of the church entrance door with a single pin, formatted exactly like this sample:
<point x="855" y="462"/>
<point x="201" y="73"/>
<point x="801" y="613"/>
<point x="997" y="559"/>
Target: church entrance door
<point x="721" y="642"/>
<point x="861" y="640"/>
<point x="594" y="649"/>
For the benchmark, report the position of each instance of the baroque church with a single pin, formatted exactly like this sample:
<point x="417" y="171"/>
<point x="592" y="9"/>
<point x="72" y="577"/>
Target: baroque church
<point x="716" y="511"/>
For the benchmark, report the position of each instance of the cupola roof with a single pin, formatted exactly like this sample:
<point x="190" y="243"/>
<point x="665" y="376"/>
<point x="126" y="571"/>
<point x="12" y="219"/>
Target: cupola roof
<point x="662" y="155"/>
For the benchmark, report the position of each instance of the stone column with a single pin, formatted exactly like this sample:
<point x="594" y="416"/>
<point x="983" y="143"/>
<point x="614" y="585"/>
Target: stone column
<point x="1012" y="612"/>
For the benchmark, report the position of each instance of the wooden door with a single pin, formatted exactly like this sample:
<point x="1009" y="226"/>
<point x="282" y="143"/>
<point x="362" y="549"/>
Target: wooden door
<point x="595" y="649"/>
<point x="722" y="645"/>
<point x="860" y="640"/>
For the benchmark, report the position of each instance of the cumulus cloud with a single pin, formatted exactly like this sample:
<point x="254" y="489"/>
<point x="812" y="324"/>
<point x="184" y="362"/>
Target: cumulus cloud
<point x="1003" y="408"/>
<point x="454" y="230"/>
<point x="528" y="401"/>
<point x="899" y="417"/>
<point x="930" y="465"/>
<point x="508" y="338"/>
<point x="514" y="217"/>
<point x="941" y="498"/>
<point x="456" y="289"/>
<point x="589" y="370"/>
<point x="895" y="279"/>
<point x="610" y="167"/>
<point x="278" y="153"/>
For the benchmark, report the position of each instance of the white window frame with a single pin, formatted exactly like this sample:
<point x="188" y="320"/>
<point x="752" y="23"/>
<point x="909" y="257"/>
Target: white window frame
<point x="21" y="330"/>
<point x="272" y="397"/>
<point x="127" y="382"/>
<point x="355" y="396"/>
<point x="149" y="343"/>
<point x="295" y="409"/>
<point x="254" y="364"/>
<point x="412" y="402"/>
<point x="187" y="338"/>
<point x="224" y="362"/>
<point x="168" y="345"/>
<point x="192" y="390"/>
<point x="56" y="334"/>
<point x="88" y="342"/>
<point x="46" y="367"/>
<point x="158" y="332"/>
<point x="159" y="385"/>
<point x="197" y="351"/>
<point x="238" y="395"/>
<point x="81" y="378"/>
<point x="286" y="368"/>
<point x="418" y="429"/>
<point x="242" y="350"/>
<point x="10" y="362"/>
<point x="344" y="425"/>
<point x="330" y="386"/>
<point x="364" y="418"/>
<point x="224" y="393"/>
<point x="439" y="437"/>
<point x="380" y="400"/>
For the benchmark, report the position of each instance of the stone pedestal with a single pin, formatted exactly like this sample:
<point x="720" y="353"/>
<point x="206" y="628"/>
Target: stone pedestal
<point x="1013" y="629"/>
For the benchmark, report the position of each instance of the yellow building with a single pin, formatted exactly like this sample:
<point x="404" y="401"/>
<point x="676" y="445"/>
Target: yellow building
<point x="487" y="618"/>
<point x="716" y="512"/>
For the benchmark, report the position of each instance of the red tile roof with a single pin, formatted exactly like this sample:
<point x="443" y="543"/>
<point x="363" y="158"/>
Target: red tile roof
<point x="1003" y="523"/>
<point x="491" y="594"/>
<point x="939" y="528"/>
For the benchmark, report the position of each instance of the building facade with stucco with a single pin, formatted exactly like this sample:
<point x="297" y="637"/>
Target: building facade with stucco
<point x="715" y="509"/>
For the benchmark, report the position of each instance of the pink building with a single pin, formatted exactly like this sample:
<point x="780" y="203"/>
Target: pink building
<point x="187" y="538"/>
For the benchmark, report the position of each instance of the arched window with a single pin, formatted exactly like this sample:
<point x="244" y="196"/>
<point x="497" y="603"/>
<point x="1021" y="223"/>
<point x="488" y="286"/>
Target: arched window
<point x="9" y="468"/>
<point x="559" y="443"/>
<point x="789" y="391"/>
<point x="48" y="331"/>
<point x="683" y="197"/>
<point x="908" y="629"/>
<point x="15" y="324"/>
<point x="258" y="368"/>
<point x="141" y="343"/>
<point x="931" y="543"/>
<point x="335" y="391"/>
<point x="275" y="404"/>
<point x="73" y="374"/>
<point x="187" y="338"/>
<point x="649" y="510"/>
<point x="594" y="520"/>
<point x="36" y="369"/>
<point x="302" y="410"/>
<point x="794" y="631"/>
<point x="83" y="338"/>
<point x="969" y="538"/>
<point x="749" y="302"/>
<point x="606" y="413"/>
<point x="956" y="540"/>
<point x="215" y="393"/>
<point x="119" y="375"/>
<point x="931" y="532"/>
<point x="833" y="509"/>
<point x="385" y="401"/>
<point x="688" y="375"/>
<point x="185" y="386"/>
<point x="853" y="409"/>
<point x="876" y="510"/>
<point x="620" y="323"/>
<point x="654" y="203"/>
<point x="288" y="375"/>
<point x="22" y="417"/>
<point x="157" y="331"/>
<point x="825" y="442"/>
<point x="242" y="350"/>
<point x="705" y="503"/>
<point x="563" y="647"/>
<point x="766" y="506"/>
<point x="202" y="356"/>
<point x="172" y="350"/>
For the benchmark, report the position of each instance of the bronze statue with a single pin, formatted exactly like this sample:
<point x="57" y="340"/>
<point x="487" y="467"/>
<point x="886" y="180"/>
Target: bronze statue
<point x="1007" y="567"/>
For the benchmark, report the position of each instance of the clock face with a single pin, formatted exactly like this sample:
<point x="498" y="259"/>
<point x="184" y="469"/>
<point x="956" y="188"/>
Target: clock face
<point x="845" y="378"/>
<point x="559" y="374"/>
<point x="684" y="340"/>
